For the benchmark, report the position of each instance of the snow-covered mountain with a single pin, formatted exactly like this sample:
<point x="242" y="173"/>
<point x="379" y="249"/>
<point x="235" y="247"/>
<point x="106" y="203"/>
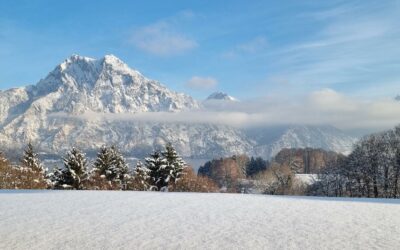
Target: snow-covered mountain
<point x="271" y="140"/>
<point x="46" y="113"/>
<point x="220" y="96"/>
<point x="81" y="103"/>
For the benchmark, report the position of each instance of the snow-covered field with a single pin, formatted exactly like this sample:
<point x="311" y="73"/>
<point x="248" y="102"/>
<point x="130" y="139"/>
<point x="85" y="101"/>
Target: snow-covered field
<point x="150" y="220"/>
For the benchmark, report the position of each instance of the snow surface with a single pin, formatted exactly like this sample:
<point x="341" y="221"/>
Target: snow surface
<point x="150" y="220"/>
<point x="307" y="178"/>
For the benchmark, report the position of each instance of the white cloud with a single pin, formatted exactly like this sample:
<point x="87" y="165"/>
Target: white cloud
<point x="162" y="40"/>
<point x="202" y="83"/>
<point x="330" y="100"/>
<point x="323" y="107"/>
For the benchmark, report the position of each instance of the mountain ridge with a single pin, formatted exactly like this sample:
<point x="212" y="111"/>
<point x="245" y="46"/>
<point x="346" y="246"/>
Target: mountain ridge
<point x="107" y="85"/>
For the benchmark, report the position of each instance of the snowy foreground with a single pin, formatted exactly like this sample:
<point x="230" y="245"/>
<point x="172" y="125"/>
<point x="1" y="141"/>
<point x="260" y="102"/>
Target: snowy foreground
<point x="149" y="220"/>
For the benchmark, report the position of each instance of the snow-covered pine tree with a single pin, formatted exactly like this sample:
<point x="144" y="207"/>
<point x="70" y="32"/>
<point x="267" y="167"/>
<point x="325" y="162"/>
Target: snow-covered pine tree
<point x="141" y="177"/>
<point x="175" y="164"/>
<point x="32" y="170"/>
<point x="56" y="178"/>
<point x="103" y="162"/>
<point x="111" y="164"/>
<point x="75" y="170"/>
<point x="119" y="168"/>
<point x="31" y="160"/>
<point x="157" y="165"/>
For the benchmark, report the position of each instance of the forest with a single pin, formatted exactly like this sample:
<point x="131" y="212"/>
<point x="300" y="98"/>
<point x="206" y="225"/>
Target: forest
<point x="371" y="170"/>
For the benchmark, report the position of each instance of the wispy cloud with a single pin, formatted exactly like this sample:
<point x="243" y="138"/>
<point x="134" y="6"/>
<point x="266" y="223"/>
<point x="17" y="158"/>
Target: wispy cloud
<point x="352" y="49"/>
<point x="163" y="37"/>
<point x="201" y="83"/>
<point x="334" y="12"/>
<point x="162" y="40"/>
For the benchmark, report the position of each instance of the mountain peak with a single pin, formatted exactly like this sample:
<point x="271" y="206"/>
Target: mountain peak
<point x="76" y="58"/>
<point x="221" y="96"/>
<point x="104" y="85"/>
<point x="82" y="70"/>
<point x="112" y="59"/>
<point x="79" y="57"/>
<point x="107" y="59"/>
<point x="113" y="62"/>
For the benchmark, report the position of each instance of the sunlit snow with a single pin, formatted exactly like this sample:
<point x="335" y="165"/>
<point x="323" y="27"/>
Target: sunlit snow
<point x="150" y="220"/>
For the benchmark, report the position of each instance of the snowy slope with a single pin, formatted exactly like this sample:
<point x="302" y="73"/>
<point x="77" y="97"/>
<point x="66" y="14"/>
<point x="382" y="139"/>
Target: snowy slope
<point x="221" y="96"/>
<point x="150" y="220"/>
<point x="271" y="140"/>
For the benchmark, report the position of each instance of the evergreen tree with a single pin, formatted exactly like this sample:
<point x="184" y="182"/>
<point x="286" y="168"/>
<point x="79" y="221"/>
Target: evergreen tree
<point x="141" y="177"/>
<point x="111" y="164"/>
<point x="103" y="162"/>
<point x="205" y="170"/>
<point x="175" y="164"/>
<point x="32" y="169"/>
<point x="119" y="168"/>
<point x="256" y="165"/>
<point x="31" y="160"/>
<point x="157" y="165"/>
<point x="56" y="178"/>
<point x="75" y="170"/>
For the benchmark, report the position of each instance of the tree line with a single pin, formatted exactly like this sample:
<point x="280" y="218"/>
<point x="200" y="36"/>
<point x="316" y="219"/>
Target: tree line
<point x="243" y="174"/>
<point x="372" y="169"/>
<point x="162" y="170"/>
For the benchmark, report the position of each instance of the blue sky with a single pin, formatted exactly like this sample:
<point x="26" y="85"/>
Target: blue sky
<point x="245" y="48"/>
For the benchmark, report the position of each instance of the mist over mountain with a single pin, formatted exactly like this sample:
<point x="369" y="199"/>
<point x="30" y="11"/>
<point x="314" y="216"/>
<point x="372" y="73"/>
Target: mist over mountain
<point x="87" y="103"/>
